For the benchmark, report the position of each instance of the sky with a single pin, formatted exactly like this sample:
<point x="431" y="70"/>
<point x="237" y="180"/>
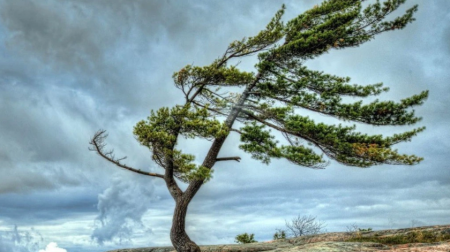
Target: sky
<point x="69" y="68"/>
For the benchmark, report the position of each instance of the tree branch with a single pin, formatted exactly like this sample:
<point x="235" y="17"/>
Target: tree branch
<point x="209" y="108"/>
<point x="285" y="131"/>
<point x="236" y="130"/>
<point x="98" y="146"/>
<point x="228" y="159"/>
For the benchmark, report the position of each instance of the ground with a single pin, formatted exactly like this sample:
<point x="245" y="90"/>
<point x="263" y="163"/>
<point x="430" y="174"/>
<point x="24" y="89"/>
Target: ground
<point x="420" y="239"/>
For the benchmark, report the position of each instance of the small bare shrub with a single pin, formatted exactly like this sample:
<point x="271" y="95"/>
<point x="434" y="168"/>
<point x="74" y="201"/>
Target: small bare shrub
<point x="304" y="225"/>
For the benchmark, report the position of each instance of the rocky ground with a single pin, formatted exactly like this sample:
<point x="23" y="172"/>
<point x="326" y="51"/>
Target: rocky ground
<point x="356" y="241"/>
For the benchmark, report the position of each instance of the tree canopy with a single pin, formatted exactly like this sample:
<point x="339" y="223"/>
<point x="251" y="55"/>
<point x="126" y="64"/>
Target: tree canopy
<point x="282" y="84"/>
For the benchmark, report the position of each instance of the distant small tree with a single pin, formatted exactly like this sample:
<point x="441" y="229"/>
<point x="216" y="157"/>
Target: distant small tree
<point x="244" y="238"/>
<point x="279" y="235"/>
<point x="304" y="225"/>
<point x="220" y="99"/>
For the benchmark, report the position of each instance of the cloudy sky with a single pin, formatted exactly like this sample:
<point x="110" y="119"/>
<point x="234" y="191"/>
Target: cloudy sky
<point x="69" y="68"/>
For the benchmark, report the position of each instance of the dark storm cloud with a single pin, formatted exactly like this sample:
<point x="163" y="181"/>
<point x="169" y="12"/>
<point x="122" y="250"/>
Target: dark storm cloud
<point x="90" y="38"/>
<point x="111" y="48"/>
<point x="42" y="133"/>
<point x="46" y="31"/>
<point x="45" y="205"/>
<point x="76" y="40"/>
<point x="26" y="179"/>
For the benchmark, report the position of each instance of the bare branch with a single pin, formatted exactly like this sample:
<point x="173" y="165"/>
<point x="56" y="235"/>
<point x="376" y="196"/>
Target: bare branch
<point x="98" y="144"/>
<point x="209" y="108"/>
<point x="228" y="159"/>
<point x="304" y="225"/>
<point x="236" y="130"/>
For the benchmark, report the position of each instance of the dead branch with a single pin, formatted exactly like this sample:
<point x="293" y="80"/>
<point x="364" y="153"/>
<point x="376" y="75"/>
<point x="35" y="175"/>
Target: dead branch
<point x="98" y="146"/>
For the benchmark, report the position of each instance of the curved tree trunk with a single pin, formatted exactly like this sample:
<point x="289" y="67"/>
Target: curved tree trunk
<point x="178" y="236"/>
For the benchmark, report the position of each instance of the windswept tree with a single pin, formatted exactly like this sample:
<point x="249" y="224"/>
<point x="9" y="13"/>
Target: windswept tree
<point x="272" y="98"/>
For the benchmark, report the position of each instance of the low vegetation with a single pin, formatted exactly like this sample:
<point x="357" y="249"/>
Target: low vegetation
<point x="312" y="230"/>
<point x="244" y="238"/>
<point x="415" y="236"/>
<point x="304" y="225"/>
<point x="279" y="235"/>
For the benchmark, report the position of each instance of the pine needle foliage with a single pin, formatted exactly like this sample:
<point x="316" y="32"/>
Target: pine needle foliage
<point x="282" y="84"/>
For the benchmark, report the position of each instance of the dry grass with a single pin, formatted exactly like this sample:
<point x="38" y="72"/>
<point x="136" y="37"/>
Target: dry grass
<point x="414" y="236"/>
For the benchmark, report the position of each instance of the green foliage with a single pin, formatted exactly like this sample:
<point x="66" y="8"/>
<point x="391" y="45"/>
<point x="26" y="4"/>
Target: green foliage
<point x="274" y="32"/>
<point x="259" y="142"/>
<point x="244" y="238"/>
<point x="323" y="93"/>
<point x="279" y="235"/>
<point x="271" y="97"/>
<point x="287" y="84"/>
<point x="338" y="24"/>
<point x="212" y="75"/>
<point x="339" y="142"/>
<point x="262" y="146"/>
<point x="186" y="170"/>
<point x="159" y="133"/>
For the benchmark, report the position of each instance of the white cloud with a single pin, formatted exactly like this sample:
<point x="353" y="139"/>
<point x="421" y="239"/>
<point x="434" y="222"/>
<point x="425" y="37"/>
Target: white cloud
<point x="53" y="247"/>
<point x="121" y="207"/>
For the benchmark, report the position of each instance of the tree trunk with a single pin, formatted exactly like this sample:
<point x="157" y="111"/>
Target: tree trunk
<point x="180" y="240"/>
